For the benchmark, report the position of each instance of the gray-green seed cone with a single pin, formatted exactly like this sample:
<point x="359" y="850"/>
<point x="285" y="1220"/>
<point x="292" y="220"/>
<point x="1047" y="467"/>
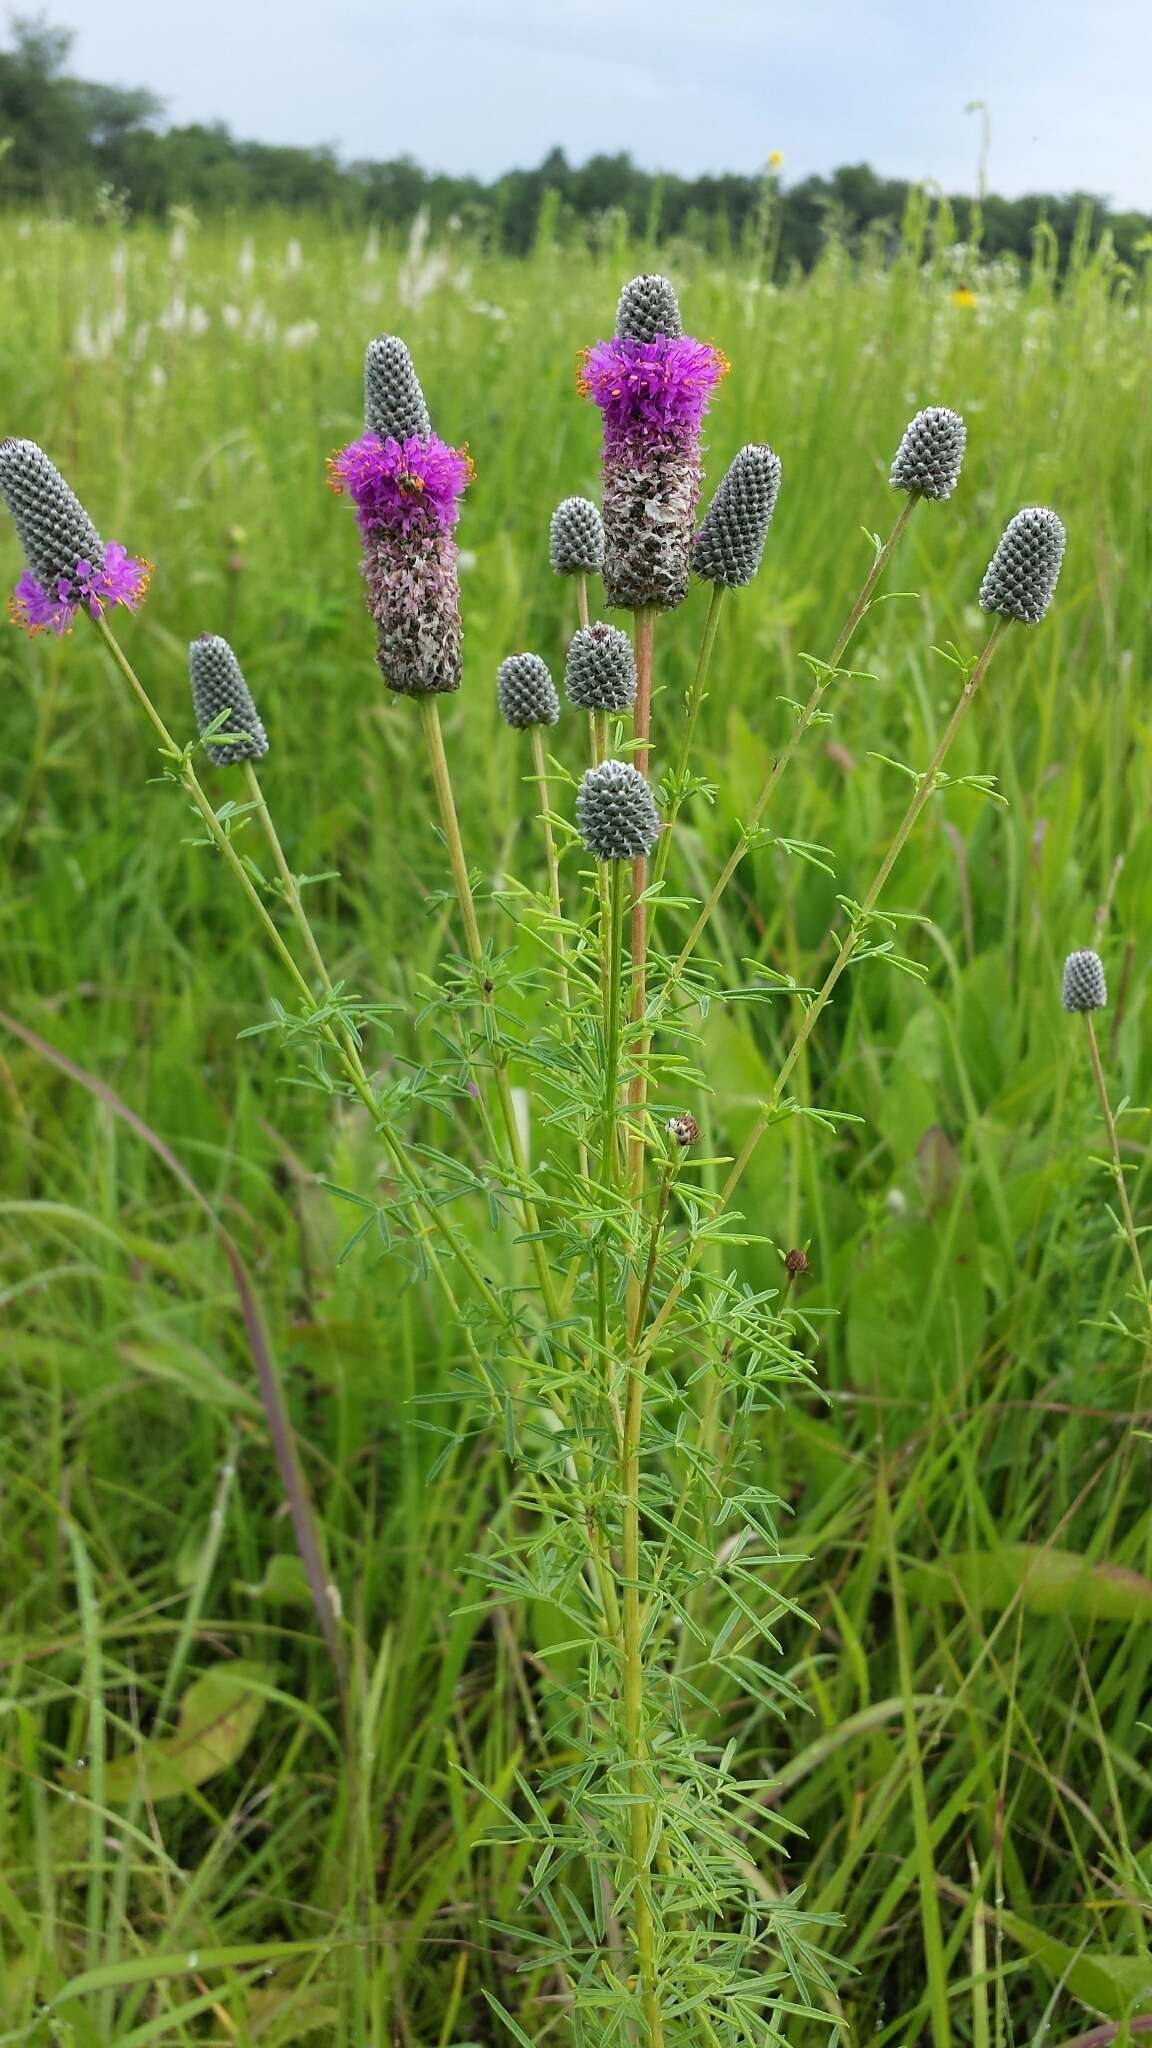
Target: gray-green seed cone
<point x="615" y="814"/>
<point x="649" y="519"/>
<point x="648" y="306"/>
<point x="394" y="405"/>
<point x="600" y="672"/>
<point x="218" y="685"/>
<point x="929" y="456"/>
<point x="526" y="692"/>
<point x="54" y="529"/>
<point x="730" y="544"/>
<point x="576" y="538"/>
<point x="1084" y="986"/>
<point x="1022" y="575"/>
<point x="414" y="597"/>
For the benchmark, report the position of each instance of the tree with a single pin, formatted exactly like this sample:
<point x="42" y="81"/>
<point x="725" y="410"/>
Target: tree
<point x="37" y="113"/>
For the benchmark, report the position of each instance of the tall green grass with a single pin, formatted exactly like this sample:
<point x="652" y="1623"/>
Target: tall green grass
<point x="971" y="1789"/>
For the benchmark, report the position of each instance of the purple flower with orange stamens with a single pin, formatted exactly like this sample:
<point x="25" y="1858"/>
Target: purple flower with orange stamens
<point x="651" y="391"/>
<point x="653" y="395"/>
<point x="414" y="485"/>
<point x="407" y="496"/>
<point x="70" y="569"/>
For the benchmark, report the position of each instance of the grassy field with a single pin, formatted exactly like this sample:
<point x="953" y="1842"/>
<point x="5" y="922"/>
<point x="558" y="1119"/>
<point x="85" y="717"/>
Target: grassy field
<point x="969" y="1783"/>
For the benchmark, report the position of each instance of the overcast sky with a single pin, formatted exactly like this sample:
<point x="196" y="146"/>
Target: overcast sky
<point x="685" y="85"/>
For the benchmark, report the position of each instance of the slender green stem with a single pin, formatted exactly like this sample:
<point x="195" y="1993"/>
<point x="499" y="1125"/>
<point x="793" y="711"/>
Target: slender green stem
<point x="644" y="623"/>
<point x="639" y="1811"/>
<point x="598" y="740"/>
<point x="540" y="771"/>
<point x="287" y="879"/>
<point x="632" y="1676"/>
<point x="1118" y="1173"/>
<point x="688" y="729"/>
<point x="612" y="934"/>
<point x="659" y="1218"/>
<point x="639" y="1305"/>
<point x="442" y="781"/>
<point x="611" y="953"/>
<point x="582" y="597"/>
<point x="925" y="785"/>
<point x="807" y="715"/>
<point x="635" y="1745"/>
<point x="446" y="802"/>
<point x="295" y="902"/>
<point x="642" y="728"/>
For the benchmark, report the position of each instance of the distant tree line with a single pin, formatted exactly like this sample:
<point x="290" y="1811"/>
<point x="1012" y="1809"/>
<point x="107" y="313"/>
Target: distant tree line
<point x="68" y="142"/>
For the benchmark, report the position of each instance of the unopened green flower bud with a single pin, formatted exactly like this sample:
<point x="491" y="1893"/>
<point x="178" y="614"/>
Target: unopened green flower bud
<point x="600" y="672"/>
<point x="526" y="691"/>
<point x="929" y="456"/>
<point x="648" y="306"/>
<point x="1021" y="577"/>
<point x="730" y="544"/>
<point x="54" y="529"/>
<point x="1084" y="986"/>
<point x="576" y="538"/>
<point x="218" y="686"/>
<point x="394" y="405"/>
<point x="615" y="814"/>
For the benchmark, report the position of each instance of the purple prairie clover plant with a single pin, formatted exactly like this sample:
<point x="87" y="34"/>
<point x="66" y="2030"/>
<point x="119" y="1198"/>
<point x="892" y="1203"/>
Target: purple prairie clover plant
<point x="70" y="569"/>
<point x="407" y="499"/>
<point x="652" y="396"/>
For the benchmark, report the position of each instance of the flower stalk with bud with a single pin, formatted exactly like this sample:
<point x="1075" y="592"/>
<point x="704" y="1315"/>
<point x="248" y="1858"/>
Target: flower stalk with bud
<point x="70" y="570"/>
<point x="653" y="385"/>
<point x="930" y="454"/>
<point x="528" y="703"/>
<point x="1018" y="585"/>
<point x="576" y="546"/>
<point x="1083" y="989"/>
<point x="617" y="819"/>
<point x="407" y="493"/>
<point x="653" y="389"/>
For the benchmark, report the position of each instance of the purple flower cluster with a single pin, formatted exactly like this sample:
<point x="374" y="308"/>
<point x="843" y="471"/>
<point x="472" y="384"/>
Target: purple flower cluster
<point x="410" y="486"/>
<point x="653" y="396"/>
<point x="651" y="392"/>
<point x="406" y="488"/>
<point x="118" y="579"/>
